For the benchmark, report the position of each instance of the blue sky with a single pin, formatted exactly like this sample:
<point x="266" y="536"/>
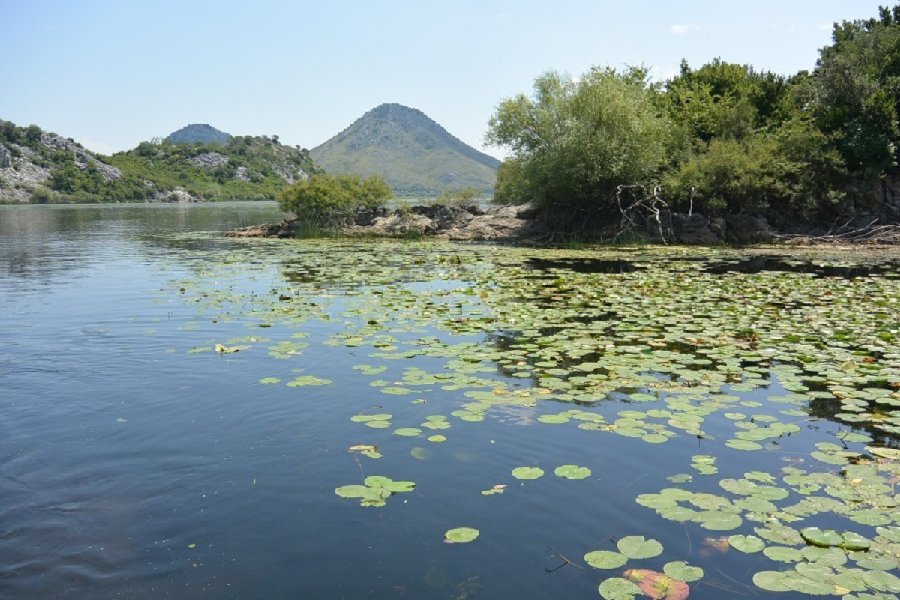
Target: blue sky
<point x="112" y="73"/>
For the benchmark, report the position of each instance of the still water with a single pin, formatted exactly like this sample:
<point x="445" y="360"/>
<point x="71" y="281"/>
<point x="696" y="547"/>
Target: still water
<point x="177" y="410"/>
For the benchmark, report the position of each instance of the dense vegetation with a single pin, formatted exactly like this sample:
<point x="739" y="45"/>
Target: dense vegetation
<point x="53" y="169"/>
<point x="322" y="198"/>
<point x="247" y="168"/>
<point x="721" y="139"/>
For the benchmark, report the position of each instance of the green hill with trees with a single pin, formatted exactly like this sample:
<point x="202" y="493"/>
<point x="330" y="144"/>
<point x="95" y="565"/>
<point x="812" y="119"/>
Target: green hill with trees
<point x="723" y="139"/>
<point x="40" y="167"/>
<point x="413" y="154"/>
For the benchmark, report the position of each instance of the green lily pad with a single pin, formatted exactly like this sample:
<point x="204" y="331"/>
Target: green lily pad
<point x="682" y="571"/>
<point x="604" y="559"/>
<point x="572" y="472"/>
<point x="461" y="535"/>
<point x="527" y="472"/>
<point x="408" y="432"/>
<point x="748" y="544"/>
<point x="617" y="588"/>
<point x="636" y="546"/>
<point x="771" y="581"/>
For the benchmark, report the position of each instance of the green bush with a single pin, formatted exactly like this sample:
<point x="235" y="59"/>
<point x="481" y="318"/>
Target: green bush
<point x="459" y="197"/>
<point x="794" y="170"/>
<point x="322" y="198"/>
<point x="574" y="142"/>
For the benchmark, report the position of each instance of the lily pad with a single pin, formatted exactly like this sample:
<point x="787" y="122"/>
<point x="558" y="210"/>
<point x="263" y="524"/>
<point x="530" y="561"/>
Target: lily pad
<point x="637" y="546"/>
<point x="461" y="535"/>
<point x="748" y="544"/>
<point x="682" y="571"/>
<point x="572" y="472"/>
<point x="616" y="588"/>
<point x="527" y="472"/>
<point x="604" y="559"/>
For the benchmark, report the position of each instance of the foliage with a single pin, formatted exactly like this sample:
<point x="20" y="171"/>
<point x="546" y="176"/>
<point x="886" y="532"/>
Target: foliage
<point x="512" y="186"/>
<point x="256" y="168"/>
<point x="726" y="100"/>
<point x="460" y="196"/>
<point x="574" y="141"/>
<point x="252" y="168"/>
<point x="858" y="86"/>
<point x="793" y="170"/>
<point x="722" y="138"/>
<point x="324" y="197"/>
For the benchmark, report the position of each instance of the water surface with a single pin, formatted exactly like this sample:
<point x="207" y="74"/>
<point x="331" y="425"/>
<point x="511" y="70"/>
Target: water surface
<point x="143" y="454"/>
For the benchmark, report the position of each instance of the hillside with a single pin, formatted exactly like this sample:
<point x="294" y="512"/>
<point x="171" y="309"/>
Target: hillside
<point x="41" y="167"/>
<point x="205" y="134"/>
<point x="414" y="154"/>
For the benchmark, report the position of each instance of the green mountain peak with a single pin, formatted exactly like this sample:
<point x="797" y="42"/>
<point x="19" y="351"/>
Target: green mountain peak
<point x="413" y="153"/>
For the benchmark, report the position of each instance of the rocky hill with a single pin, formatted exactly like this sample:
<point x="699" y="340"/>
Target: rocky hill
<point x="205" y="134"/>
<point x="414" y="154"/>
<point x="40" y="167"/>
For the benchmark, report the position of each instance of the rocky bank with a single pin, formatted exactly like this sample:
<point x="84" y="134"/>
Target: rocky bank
<point x="513" y="223"/>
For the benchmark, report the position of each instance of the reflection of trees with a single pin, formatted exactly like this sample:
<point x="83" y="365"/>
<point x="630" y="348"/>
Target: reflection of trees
<point x="785" y="264"/>
<point x="45" y="242"/>
<point x="829" y="408"/>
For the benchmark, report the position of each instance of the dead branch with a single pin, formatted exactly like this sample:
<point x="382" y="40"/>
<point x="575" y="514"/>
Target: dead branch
<point x="866" y="235"/>
<point x="636" y="202"/>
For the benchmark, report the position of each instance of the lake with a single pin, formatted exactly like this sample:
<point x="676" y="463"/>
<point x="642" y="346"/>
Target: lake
<point x="192" y="416"/>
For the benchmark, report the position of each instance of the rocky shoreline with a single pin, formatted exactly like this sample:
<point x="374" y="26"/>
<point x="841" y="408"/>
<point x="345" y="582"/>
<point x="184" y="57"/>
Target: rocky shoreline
<point x="510" y="223"/>
<point x="437" y="221"/>
<point x="521" y="224"/>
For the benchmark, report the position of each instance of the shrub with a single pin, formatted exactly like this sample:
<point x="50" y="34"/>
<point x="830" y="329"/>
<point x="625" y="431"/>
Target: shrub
<point x="322" y="198"/>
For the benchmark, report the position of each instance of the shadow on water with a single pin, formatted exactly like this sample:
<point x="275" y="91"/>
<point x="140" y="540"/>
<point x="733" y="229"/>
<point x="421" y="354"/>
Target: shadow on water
<point x="783" y="264"/>
<point x="584" y="265"/>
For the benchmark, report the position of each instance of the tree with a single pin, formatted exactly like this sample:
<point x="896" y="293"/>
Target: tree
<point x="575" y="141"/>
<point x="793" y="170"/>
<point x="33" y="134"/>
<point x="322" y="198"/>
<point x="857" y="80"/>
<point x="727" y="100"/>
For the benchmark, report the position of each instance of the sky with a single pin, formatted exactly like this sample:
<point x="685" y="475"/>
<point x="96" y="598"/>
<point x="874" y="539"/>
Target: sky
<point x="113" y="73"/>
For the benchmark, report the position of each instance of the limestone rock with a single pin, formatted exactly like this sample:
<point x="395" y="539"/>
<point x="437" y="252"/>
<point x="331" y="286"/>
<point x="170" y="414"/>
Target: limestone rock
<point x="209" y="160"/>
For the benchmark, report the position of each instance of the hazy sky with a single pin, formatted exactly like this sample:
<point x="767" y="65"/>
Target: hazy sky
<point x="112" y="73"/>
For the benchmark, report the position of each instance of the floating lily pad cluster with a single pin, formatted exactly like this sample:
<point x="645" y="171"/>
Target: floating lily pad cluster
<point x="376" y="491"/>
<point x="745" y="363"/>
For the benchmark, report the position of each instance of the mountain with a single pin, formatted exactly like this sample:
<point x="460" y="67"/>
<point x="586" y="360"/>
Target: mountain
<point x="205" y="134"/>
<point x="40" y="167"/>
<point x="415" y="155"/>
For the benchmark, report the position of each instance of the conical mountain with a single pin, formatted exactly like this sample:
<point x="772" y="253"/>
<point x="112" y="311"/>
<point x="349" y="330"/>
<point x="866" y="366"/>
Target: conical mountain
<point x="415" y="155"/>
<point x="199" y="132"/>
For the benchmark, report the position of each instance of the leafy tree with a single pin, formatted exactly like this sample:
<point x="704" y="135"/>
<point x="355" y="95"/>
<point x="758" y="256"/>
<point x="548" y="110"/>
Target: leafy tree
<point x="793" y="170"/>
<point x="723" y="99"/>
<point x="575" y="141"/>
<point x="858" y="91"/>
<point x="33" y="134"/>
<point x="324" y="197"/>
<point x="511" y="186"/>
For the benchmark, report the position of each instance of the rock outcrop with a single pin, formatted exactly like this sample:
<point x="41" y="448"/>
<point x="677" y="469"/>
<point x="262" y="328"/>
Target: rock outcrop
<point x="459" y="223"/>
<point x="179" y="195"/>
<point x="19" y="174"/>
<point x="209" y="160"/>
<point x="81" y="156"/>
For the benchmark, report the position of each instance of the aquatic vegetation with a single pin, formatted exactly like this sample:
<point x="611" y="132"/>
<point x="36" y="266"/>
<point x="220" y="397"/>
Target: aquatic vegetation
<point x="772" y="393"/>
<point x="375" y="491"/>
<point x="461" y="535"/>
